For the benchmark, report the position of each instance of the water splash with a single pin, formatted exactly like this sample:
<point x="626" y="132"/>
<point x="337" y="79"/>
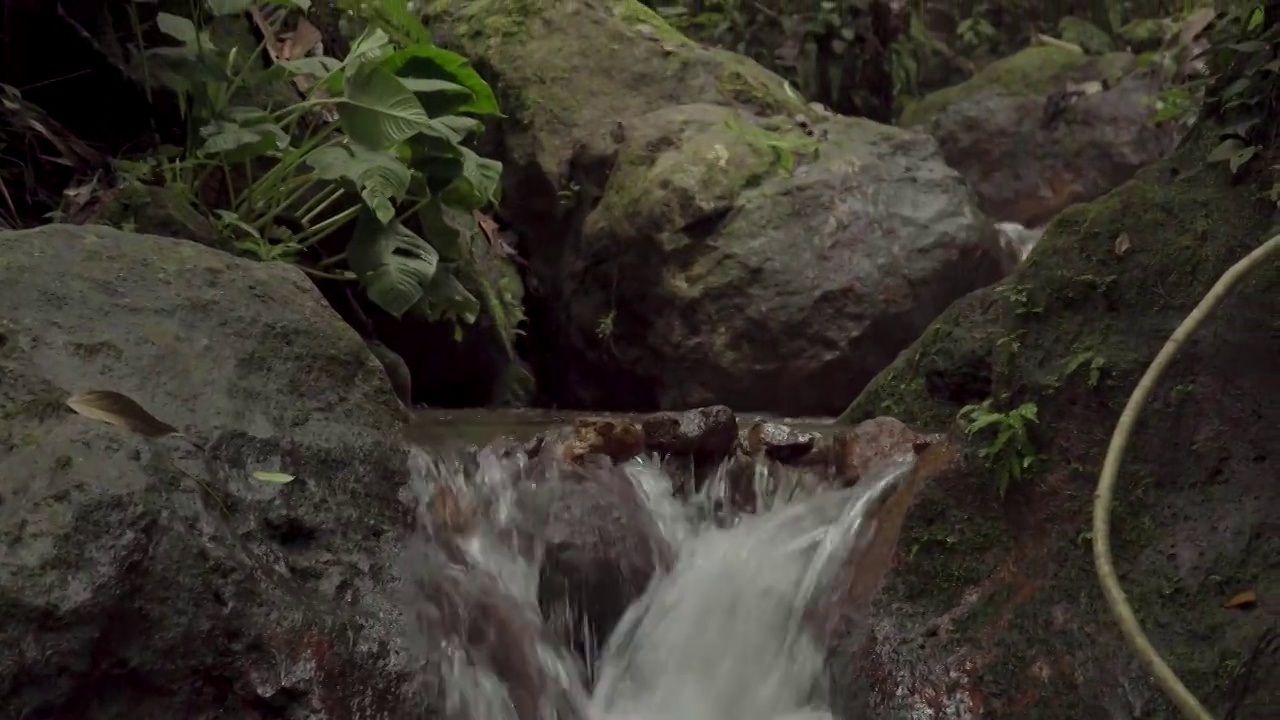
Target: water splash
<point x="732" y="632"/>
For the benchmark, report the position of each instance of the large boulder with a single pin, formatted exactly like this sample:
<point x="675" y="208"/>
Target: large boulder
<point x="156" y="578"/>
<point x="697" y="233"/>
<point x="994" y="610"/>
<point x="1045" y="128"/>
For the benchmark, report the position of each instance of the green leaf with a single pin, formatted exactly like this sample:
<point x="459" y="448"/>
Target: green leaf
<point x="444" y="298"/>
<point x="320" y="66"/>
<point x="177" y="27"/>
<point x="249" y="134"/>
<point x="380" y="178"/>
<point x="370" y="48"/>
<point x="1226" y="150"/>
<point x="462" y="126"/>
<point x="392" y="263"/>
<point x="450" y="229"/>
<point x="378" y="111"/>
<point x="428" y="62"/>
<point x="438" y="97"/>
<point x="277" y="478"/>
<point x="236" y="7"/>
<point x="1238" y="160"/>
<point x="477" y="185"/>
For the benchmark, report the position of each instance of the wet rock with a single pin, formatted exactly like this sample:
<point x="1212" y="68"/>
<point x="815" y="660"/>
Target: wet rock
<point x="870" y="444"/>
<point x="703" y="236"/>
<point x="1046" y="128"/>
<point x="707" y="433"/>
<point x="778" y="442"/>
<point x="151" y="579"/>
<point x="617" y="440"/>
<point x="602" y="548"/>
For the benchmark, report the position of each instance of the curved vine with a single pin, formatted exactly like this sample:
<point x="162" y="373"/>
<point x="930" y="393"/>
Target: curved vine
<point x="1168" y="681"/>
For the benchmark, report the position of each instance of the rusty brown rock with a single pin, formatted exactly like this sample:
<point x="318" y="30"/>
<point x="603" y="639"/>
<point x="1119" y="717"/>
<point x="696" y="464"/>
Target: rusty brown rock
<point x="868" y="444"/>
<point x="618" y="440"/>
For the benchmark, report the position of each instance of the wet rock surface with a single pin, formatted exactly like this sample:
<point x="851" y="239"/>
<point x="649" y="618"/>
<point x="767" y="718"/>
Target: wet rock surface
<point x="148" y="578"/>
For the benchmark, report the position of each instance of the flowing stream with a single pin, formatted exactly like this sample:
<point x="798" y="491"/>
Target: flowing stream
<point x="727" y="634"/>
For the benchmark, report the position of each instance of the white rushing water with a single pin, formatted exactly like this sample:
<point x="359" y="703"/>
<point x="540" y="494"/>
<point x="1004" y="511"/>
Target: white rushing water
<point x="723" y="636"/>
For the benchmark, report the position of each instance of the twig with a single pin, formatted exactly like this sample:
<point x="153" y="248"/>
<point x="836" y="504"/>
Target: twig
<point x="1102" y="499"/>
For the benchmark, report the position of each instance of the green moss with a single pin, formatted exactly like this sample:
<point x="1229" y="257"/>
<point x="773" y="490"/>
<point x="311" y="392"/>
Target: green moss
<point x="635" y="13"/>
<point x="946" y="553"/>
<point x="1033" y="71"/>
<point x="745" y="82"/>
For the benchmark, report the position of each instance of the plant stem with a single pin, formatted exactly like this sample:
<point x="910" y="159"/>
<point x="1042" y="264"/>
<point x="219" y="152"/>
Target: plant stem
<point x="318" y="232"/>
<point x="326" y="276"/>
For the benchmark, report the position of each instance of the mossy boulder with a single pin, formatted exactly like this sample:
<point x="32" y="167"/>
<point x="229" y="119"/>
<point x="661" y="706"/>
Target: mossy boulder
<point x="697" y="234"/>
<point x="1045" y="128"/>
<point x="1084" y="34"/>
<point x="995" y="610"/>
<point x="1146" y="34"/>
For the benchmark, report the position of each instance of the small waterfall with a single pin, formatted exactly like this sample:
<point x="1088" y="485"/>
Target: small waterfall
<point x="732" y="632"/>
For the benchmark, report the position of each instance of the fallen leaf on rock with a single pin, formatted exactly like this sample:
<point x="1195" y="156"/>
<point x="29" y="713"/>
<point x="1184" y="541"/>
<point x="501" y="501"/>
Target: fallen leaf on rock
<point x="120" y="410"/>
<point x="1122" y="243"/>
<point x="278" y="478"/>
<point x="1243" y="600"/>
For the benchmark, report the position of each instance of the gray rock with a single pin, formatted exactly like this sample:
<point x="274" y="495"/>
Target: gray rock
<point x="151" y="579"/>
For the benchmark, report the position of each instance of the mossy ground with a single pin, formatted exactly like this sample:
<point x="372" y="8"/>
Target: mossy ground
<point x="1072" y="331"/>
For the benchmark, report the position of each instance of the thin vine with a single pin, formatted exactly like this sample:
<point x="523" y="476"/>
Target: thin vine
<point x="1168" y="681"/>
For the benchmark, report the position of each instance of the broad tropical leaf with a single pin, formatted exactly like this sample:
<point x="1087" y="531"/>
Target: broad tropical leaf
<point x="444" y="298"/>
<point x="381" y="179"/>
<point x="438" y="97"/>
<point x="476" y="186"/>
<point x="378" y="111"/>
<point x="392" y="263"/>
<point x="428" y="62"/>
<point x="371" y="47"/>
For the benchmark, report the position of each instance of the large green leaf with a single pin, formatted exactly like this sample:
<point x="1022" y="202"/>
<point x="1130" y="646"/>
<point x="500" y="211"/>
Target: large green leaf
<point x="428" y="62"/>
<point x="381" y="179"/>
<point x="473" y="180"/>
<point x="449" y="229"/>
<point x="438" y="97"/>
<point x="378" y="111"/>
<point x="394" y="265"/>
<point x="370" y="48"/>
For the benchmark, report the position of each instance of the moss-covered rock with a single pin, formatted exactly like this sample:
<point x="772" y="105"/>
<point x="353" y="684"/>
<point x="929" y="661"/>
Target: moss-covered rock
<point x="1089" y="37"/>
<point x="997" y="597"/>
<point x="696" y="232"/>
<point x="1145" y="34"/>
<point x="1033" y="72"/>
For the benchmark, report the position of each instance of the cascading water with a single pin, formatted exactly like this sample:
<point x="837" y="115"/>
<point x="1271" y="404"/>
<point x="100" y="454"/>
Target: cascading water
<point x="727" y="634"/>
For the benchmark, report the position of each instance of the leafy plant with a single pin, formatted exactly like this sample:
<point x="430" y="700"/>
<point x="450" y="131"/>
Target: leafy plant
<point x="1245" y="57"/>
<point x="374" y="144"/>
<point x="1009" y="451"/>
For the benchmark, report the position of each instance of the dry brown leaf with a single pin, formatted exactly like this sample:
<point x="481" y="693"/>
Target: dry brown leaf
<point x="497" y="243"/>
<point x="1242" y="600"/>
<point x="120" y="410"/>
<point x="304" y="38"/>
<point x="1122" y="244"/>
